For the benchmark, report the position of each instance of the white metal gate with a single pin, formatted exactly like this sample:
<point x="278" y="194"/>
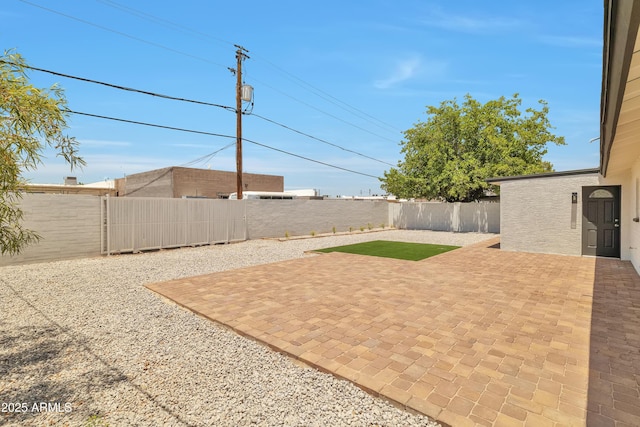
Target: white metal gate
<point x="131" y="224"/>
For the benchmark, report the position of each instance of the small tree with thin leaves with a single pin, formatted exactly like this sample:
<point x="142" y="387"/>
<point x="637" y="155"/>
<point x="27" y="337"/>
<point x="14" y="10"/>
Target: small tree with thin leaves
<point x="30" y="119"/>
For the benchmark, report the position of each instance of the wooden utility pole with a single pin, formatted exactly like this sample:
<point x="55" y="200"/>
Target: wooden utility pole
<point x="240" y="56"/>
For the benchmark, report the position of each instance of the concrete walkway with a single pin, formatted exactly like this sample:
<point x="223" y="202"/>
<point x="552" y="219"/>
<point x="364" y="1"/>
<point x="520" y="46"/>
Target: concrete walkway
<point x="476" y="336"/>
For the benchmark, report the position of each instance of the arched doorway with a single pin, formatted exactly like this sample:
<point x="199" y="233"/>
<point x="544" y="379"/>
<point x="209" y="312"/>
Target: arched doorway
<point x="601" y="221"/>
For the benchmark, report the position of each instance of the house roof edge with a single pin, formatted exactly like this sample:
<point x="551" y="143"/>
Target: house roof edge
<point x="498" y="180"/>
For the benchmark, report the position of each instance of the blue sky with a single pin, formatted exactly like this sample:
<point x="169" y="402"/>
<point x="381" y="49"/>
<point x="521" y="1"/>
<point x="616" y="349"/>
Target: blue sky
<point x="354" y="74"/>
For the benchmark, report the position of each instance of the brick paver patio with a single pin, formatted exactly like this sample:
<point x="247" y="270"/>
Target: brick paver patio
<point x="476" y="336"/>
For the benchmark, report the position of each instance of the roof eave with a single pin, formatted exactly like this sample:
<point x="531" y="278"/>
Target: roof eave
<point x="621" y="20"/>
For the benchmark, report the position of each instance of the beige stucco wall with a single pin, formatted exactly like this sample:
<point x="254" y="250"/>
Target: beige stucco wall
<point x="535" y="214"/>
<point x="626" y="191"/>
<point x="630" y="208"/>
<point x="633" y="227"/>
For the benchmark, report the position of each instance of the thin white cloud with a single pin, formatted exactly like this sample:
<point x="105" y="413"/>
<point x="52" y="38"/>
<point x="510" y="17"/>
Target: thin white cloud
<point x="410" y="68"/>
<point x="103" y="143"/>
<point x="99" y="167"/>
<point x="470" y="24"/>
<point x="389" y="28"/>
<point x="572" y="41"/>
<point x="297" y="172"/>
<point x="187" y="145"/>
<point x="404" y="70"/>
<point x="567" y="162"/>
<point x="575" y="116"/>
<point x="517" y="76"/>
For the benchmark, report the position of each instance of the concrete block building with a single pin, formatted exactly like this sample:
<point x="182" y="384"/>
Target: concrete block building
<point x="595" y="211"/>
<point x="178" y="182"/>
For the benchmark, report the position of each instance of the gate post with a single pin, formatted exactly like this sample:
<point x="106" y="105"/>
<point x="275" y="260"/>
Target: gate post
<point x="108" y="225"/>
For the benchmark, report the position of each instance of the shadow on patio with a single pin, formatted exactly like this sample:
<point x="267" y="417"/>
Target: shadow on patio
<point x="614" y="363"/>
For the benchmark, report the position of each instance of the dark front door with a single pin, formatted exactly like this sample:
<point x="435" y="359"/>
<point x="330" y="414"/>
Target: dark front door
<point x="601" y="221"/>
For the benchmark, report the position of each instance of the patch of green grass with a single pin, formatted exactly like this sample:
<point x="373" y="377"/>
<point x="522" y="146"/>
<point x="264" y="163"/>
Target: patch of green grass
<point x="96" y="421"/>
<point x="389" y="249"/>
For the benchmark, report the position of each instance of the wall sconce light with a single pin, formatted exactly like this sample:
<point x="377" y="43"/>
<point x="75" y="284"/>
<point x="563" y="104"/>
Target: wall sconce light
<point x="574" y="209"/>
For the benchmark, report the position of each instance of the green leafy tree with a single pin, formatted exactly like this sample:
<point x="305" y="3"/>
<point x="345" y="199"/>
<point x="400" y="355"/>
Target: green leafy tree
<point x="449" y="156"/>
<point x="30" y="119"/>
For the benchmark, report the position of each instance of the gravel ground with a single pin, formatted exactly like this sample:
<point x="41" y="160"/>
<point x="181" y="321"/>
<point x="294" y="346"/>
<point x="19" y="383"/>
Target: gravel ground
<point x="83" y="343"/>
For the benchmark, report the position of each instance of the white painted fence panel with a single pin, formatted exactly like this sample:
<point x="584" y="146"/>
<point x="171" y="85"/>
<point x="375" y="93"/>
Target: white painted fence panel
<point x="134" y="224"/>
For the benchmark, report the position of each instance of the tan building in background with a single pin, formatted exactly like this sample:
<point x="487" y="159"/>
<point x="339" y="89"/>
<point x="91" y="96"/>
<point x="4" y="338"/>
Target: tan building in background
<point x="178" y="182"/>
<point x="71" y="186"/>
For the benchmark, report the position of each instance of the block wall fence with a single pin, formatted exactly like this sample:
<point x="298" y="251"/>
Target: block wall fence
<point x="73" y="226"/>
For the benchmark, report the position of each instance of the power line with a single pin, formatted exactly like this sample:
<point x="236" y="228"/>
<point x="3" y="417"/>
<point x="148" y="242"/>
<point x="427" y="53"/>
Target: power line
<point x="207" y="157"/>
<point x="300" y="82"/>
<point x="115" y="86"/>
<point x="318" y="92"/>
<point x="322" y="111"/>
<point x="218" y="135"/>
<point x="309" y="159"/>
<point x="330" y="98"/>
<point x="134" y="122"/>
<point x="164" y="22"/>
<point x="158" y="95"/>
<point x="120" y="33"/>
<point x="195" y="161"/>
<point x="319" y="139"/>
<point x="146" y="184"/>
